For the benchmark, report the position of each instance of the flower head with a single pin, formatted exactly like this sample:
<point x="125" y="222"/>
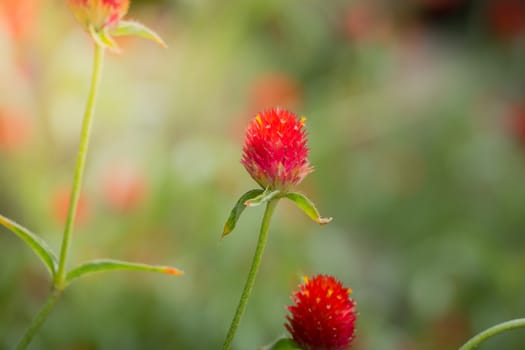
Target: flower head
<point x="275" y="152"/>
<point x="99" y="14"/>
<point x="323" y="317"/>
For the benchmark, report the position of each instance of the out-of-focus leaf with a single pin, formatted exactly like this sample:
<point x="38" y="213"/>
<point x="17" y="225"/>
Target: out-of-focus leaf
<point x="37" y="244"/>
<point x="102" y="38"/>
<point x="308" y="207"/>
<point x="264" y="197"/>
<point x="282" y="344"/>
<point x="133" y="28"/>
<point x="103" y="265"/>
<point x="237" y="210"/>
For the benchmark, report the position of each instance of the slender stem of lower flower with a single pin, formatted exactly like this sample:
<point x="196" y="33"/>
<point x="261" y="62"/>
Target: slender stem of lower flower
<point x="250" y="281"/>
<point x="502" y="327"/>
<point x="39" y="320"/>
<point x="81" y="162"/>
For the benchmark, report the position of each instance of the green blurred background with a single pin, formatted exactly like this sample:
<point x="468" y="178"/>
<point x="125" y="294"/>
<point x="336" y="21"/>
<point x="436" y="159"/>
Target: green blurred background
<point x="416" y="121"/>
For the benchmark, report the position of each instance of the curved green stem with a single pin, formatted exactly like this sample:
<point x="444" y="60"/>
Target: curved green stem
<point x="79" y="169"/>
<point x="499" y="328"/>
<point x="250" y="281"/>
<point x="39" y="320"/>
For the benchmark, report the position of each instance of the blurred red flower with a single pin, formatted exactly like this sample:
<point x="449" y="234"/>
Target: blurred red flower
<point x="517" y="122"/>
<point x="507" y="18"/>
<point x="323" y="315"/>
<point x="274" y="89"/>
<point x="275" y="152"/>
<point x="60" y="206"/>
<point x="124" y="188"/>
<point x="15" y="130"/>
<point x="98" y="13"/>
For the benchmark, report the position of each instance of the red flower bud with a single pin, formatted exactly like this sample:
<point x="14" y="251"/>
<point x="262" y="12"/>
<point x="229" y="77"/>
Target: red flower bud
<point x="98" y="14"/>
<point x="275" y="152"/>
<point x="323" y="317"/>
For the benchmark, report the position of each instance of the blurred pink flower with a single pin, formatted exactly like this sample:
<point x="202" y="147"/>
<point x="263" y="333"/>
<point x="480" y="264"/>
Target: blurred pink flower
<point x="98" y="13"/>
<point x="15" y="130"/>
<point x="124" y="188"/>
<point x="275" y="152"/>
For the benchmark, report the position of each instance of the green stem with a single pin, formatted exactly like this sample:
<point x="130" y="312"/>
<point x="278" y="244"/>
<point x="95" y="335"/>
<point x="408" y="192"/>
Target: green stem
<point x="81" y="163"/>
<point x="250" y="281"/>
<point x="39" y="320"/>
<point x="502" y="327"/>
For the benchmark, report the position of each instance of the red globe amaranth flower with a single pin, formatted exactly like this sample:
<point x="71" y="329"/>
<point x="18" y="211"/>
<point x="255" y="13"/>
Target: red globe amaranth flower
<point x="98" y="13"/>
<point x="323" y="317"/>
<point x="275" y="152"/>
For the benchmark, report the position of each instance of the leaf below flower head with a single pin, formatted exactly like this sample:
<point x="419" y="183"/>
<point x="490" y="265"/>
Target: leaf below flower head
<point x="308" y="207"/>
<point x="103" y="39"/>
<point x="237" y="211"/>
<point x="133" y="28"/>
<point x="264" y="197"/>
<point x="37" y="244"/>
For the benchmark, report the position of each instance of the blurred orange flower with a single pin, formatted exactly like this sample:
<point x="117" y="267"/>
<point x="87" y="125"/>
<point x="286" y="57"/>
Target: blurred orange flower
<point x="20" y="16"/>
<point x="15" y="130"/>
<point x="124" y="188"/>
<point x="275" y="89"/>
<point x="60" y="206"/>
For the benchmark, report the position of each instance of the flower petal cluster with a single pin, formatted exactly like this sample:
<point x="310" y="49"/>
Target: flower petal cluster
<point x="323" y="317"/>
<point x="275" y="152"/>
<point x="99" y="14"/>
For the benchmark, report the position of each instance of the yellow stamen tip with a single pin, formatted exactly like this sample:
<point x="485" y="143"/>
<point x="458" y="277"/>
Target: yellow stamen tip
<point x="258" y="119"/>
<point x="303" y="120"/>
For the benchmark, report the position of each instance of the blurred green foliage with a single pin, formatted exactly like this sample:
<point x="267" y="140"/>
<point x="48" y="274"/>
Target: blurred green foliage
<point x="416" y="130"/>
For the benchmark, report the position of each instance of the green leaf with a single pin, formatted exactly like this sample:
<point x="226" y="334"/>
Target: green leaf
<point x="282" y="344"/>
<point x="37" y="244"/>
<point x="237" y="211"/>
<point x="103" y="265"/>
<point x="308" y="207"/>
<point x="134" y="28"/>
<point x="103" y="39"/>
<point x="264" y="197"/>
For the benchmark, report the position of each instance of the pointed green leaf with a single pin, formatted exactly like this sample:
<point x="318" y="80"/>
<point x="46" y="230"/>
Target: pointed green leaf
<point x="103" y="265"/>
<point x="37" y="244"/>
<point x="237" y="211"/>
<point x="308" y="207"/>
<point x="134" y="28"/>
<point x="264" y="197"/>
<point x="282" y="344"/>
